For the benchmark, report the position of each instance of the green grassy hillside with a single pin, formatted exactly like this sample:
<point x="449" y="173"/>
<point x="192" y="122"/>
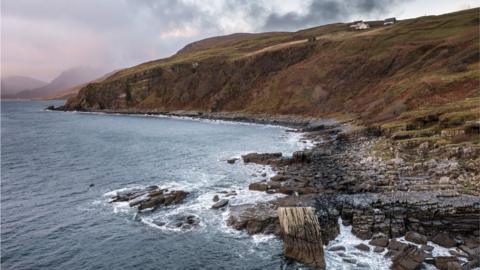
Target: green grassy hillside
<point x="377" y="75"/>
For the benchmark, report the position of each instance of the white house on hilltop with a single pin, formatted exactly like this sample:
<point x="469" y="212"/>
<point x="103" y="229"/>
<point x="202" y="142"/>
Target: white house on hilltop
<point x="389" y="21"/>
<point x="359" y="25"/>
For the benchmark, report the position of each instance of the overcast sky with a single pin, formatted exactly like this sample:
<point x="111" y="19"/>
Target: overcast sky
<point x="41" y="38"/>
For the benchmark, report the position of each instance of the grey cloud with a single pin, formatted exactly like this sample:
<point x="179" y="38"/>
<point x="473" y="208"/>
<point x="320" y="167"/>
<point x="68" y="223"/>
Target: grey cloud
<point x="43" y="38"/>
<point x="327" y="11"/>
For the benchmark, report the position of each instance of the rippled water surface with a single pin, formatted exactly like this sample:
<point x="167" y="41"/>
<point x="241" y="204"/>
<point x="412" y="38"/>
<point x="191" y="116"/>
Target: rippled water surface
<point x="52" y="218"/>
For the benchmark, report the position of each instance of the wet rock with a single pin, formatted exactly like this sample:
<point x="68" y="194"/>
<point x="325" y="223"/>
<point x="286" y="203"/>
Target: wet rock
<point x="215" y="198"/>
<point x="473" y="251"/>
<point x="231" y="193"/>
<point x="220" y="204"/>
<point x="255" y="218"/>
<point x="258" y="186"/>
<point x="150" y="197"/>
<point x="410" y="258"/>
<point x="182" y="221"/>
<point x="378" y="249"/>
<point x="278" y="178"/>
<point x="379" y="240"/>
<point x="349" y="260"/>
<point x="337" y="248"/>
<point x="396" y="245"/>
<point x="265" y="159"/>
<point x="363" y="265"/>
<point x="427" y="248"/>
<point x="186" y="222"/>
<point x="458" y="254"/>
<point x="470" y="265"/>
<point x="416" y="238"/>
<point x="362" y="247"/>
<point x="159" y="223"/>
<point x="447" y="263"/>
<point x="232" y="160"/>
<point x="301" y="156"/>
<point x="444" y="240"/>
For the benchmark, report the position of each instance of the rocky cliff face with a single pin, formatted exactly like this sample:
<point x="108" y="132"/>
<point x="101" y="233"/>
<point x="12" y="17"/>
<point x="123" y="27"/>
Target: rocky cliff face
<point x="374" y="74"/>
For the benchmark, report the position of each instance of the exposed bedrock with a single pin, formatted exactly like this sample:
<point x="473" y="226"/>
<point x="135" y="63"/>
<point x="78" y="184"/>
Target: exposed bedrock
<point x="396" y="213"/>
<point x="149" y="197"/>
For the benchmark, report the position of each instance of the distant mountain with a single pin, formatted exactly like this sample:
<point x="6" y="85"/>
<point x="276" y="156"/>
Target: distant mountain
<point x="65" y="80"/>
<point x="10" y="86"/>
<point x="73" y="91"/>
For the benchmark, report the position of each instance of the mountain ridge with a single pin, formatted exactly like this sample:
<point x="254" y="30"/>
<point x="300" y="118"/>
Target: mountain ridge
<point x="373" y="75"/>
<point x="65" y="80"/>
<point x="13" y="85"/>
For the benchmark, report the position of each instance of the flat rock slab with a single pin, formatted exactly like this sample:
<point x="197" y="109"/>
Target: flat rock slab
<point x="254" y="218"/>
<point x="149" y="197"/>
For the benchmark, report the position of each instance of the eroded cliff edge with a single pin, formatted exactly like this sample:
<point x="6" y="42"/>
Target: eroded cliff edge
<point x="372" y="75"/>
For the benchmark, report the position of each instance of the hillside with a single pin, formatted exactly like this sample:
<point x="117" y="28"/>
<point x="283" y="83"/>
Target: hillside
<point x="13" y="85"/>
<point x="378" y="75"/>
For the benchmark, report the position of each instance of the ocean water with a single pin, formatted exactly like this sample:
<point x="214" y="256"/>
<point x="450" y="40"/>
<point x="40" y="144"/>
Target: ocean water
<point x="51" y="218"/>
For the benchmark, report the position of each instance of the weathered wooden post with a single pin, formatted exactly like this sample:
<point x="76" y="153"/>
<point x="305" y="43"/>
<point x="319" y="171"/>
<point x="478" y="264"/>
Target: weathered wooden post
<point x="302" y="238"/>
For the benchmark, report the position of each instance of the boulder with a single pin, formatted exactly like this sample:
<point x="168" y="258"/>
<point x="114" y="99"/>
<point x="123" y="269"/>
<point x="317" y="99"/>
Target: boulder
<point x="410" y="258"/>
<point x="254" y="218"/>
<point x="220" y="204"/>
<point x="301" y="156"/>
<point x="379" y="240"/>
<point x="258" y="186"/>
<point x="416" y="238"/>
<point x="443" y="239"/>
<point x="362" y="247"/>
<point x="278" y="178"/>
<point x="447" y="263"/>
<point x="396" y="245"/>
<point x="378" y="249"/>
<point x="473" y="264"/>
<point x="216" y="198"/>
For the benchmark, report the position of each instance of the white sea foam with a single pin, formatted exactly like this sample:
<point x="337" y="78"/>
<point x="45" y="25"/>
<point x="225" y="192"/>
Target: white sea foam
<point x="348" y="240"/>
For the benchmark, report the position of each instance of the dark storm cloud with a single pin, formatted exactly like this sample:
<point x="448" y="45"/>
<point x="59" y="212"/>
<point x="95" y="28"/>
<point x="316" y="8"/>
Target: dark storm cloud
<point x="43" y="38"/>
<point x="327" y="11"/>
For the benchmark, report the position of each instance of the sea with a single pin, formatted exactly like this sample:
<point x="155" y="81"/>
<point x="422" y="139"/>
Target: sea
<point x="59" y="170"/>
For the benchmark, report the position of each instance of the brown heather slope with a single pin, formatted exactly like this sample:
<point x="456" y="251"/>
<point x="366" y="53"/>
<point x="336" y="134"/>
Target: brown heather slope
<point x="376" y="75"/>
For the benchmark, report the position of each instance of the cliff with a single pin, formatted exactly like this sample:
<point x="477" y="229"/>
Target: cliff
<point x="373" y="75"/>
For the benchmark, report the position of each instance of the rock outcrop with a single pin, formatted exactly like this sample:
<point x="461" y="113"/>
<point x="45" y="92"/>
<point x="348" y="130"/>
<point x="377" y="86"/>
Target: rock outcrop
<point x="150" y="197"/>
<point x="260" y="218"/>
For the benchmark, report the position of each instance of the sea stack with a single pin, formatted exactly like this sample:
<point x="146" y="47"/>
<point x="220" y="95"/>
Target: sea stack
<point x="302" y="238"/>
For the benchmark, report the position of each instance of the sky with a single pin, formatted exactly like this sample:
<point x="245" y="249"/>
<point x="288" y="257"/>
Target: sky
<point x="41" y="38"/>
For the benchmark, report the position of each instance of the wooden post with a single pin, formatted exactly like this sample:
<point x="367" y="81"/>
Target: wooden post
<point x="302" y="238"/>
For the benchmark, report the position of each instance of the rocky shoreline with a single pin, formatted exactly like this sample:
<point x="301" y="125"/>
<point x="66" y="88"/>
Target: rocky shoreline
<point x="411" y="193"/>
<point x="384" y="188"/>
<point x="292" y="121"/>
